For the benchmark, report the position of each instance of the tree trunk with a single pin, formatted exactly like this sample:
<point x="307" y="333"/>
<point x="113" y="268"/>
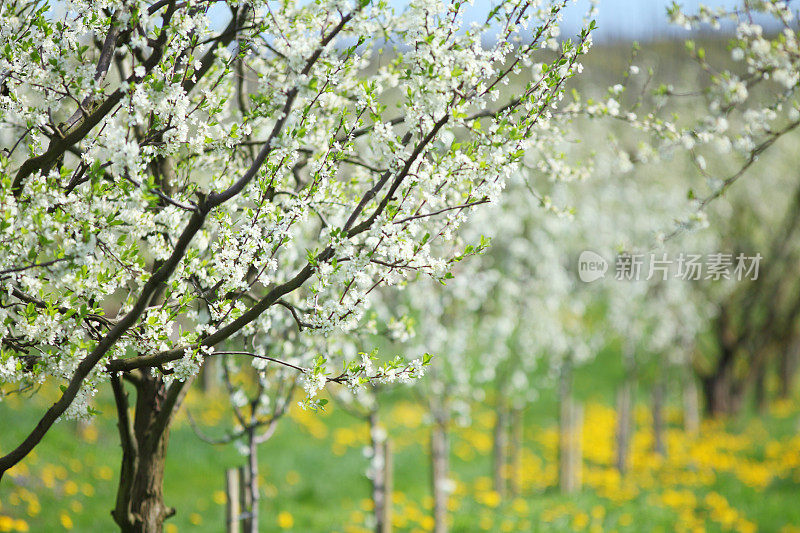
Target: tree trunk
<point x="718" y="386"/>
<point x="691" y="407"/>
<point x="760" y="392"/>
<point x="717" y="394"/>
<point x="140" y="503"/>
<point x="255" y="496"/>
<point x="232" y="511"/>
<point x="515" y="452"/>
<point x="564" y="426"/>
<point x="659" y="444"/>
<point x="440" y="473"/>
<point x="788" y="368"/>
<point x="388" y="480"/>
<point x="242" y="491"/>
<point x="499" y="446"/>
<point x="248" y="481"/>
<point x="624" y="426"/>
<point x="244" y="498"/>
<point x="570" y="422"/>
<point x="576" y="452"/>
<point x="380" y="476"/>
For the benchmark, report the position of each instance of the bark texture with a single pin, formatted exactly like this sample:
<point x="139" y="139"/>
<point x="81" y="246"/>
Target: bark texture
<point x="624" y="426"/>
<point x="499" y="446"/>
<point x="440" y="478"/>
<point x="659" y="391"/>
<point x="516" y="446"/>
<point x="140" y="506"/>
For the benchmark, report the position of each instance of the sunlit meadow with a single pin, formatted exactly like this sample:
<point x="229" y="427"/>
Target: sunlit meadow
<point x="734" y="475"/>
<point x="359" y="266"/>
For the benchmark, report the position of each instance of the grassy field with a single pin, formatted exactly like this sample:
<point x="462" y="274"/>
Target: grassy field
<point x="736" y="475"/>
<point x="741" y="475"/>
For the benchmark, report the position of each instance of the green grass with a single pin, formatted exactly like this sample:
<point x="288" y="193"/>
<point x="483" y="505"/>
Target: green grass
<point x="314" y="470"/>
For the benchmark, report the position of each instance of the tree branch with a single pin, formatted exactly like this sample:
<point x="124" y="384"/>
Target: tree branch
<point x="196" y="221"/>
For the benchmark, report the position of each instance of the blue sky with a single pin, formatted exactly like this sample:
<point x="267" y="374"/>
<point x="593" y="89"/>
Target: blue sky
<point x="617" y="19"/>
<point x="638" y="19"/>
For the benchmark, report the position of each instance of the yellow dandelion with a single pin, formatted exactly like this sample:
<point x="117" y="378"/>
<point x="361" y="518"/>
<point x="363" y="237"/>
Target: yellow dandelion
<point x="104" y="473"/>
<point x="520" y="506"/>
<point x="66" y="521"/>
<point x="70" y="488"/>
<point x="367" y="504"/>
<point x="285" y="520"/>
<point x="87" y="489"/>
<point x="489" y="498"/>
<point x="34" y="507"/>
<point x="580" y="521"/>
<point x="89" y="434"/>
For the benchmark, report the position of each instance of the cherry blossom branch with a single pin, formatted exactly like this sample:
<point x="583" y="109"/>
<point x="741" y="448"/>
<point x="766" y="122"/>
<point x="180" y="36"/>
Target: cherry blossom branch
<point x="60" y="145"/>
<point x="300" y="324"/>
<point x="440" y="211"/>
<point x="196" y="222"/>
<point x="264" y="357"/>
<point x="106" y="54"/>
<point x="35" y="265"/>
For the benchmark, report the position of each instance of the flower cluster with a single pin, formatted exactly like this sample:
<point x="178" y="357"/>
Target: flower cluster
<point x="168" y="185"/>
